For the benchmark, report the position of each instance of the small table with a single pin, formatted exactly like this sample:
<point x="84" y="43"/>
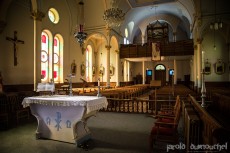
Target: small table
<point x="64" y="118"/>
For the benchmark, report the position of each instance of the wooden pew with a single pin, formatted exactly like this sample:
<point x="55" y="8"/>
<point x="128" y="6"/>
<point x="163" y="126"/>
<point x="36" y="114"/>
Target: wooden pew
<point x="209" y="124"/>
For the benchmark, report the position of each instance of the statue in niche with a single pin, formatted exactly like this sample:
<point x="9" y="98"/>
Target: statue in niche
<point x="73" y="68"/>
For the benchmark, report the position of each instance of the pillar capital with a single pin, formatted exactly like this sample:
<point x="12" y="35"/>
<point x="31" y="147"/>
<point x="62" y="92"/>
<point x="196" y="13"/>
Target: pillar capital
<point x="37" y="15"/>
<point x="199" y="40"/>
<point x="117" y="51"/>
<point x="107" y="47"/>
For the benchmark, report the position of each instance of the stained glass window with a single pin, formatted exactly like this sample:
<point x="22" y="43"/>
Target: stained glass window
<point x="51" y="57"/>
<point x="44" y="56"/>
<point x="53" y="15"/>
<point x="56" y="58"/>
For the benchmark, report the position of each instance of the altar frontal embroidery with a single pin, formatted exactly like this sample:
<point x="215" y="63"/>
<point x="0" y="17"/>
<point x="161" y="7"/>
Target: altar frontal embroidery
<point x="58" y="121"/>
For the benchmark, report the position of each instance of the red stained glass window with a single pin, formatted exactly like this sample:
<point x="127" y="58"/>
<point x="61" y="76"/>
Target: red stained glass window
<point x="55" y="74"/>
<point x="43" y="73"/>
<point x="55" y="42"/>
<point x="43" y="39"/>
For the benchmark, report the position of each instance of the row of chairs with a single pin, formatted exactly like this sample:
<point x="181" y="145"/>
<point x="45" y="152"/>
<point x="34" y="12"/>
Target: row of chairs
<point x="11" y="109"/>
<point x="165" y="127"/>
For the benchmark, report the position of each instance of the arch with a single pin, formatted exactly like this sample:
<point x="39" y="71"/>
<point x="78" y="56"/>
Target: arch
<point x="160" y="73"/>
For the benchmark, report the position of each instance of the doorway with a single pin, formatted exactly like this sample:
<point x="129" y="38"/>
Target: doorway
<point x="160" y="73"/>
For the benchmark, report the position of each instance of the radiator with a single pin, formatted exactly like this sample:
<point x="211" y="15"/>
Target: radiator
<point x="192" y="129"/>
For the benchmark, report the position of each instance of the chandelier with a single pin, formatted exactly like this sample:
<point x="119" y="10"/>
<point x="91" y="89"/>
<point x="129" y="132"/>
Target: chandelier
<point x="113" y="16"/>
<point x="80" y="35"/>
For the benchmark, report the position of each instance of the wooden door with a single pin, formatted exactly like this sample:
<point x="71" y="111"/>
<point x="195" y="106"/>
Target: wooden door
<point x="160" y="75"/>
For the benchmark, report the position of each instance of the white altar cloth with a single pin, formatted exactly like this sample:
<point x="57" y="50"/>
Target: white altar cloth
<point x="63" y="118"/>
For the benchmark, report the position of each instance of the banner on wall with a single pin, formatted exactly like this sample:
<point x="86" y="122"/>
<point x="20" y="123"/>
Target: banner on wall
<point x="156" y="52"/>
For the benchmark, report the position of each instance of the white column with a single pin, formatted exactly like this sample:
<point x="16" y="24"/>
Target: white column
<point x="174" y="36"/>
<point x="125" y="70"/>
<point x="37" y="16"/>
<point x="143" y="39"/>
<point x="175" y="72"/>
<point x="108" y="65"/>
<point x="35" y="57"/>
<point x="199" y="65"/>
<point x="143" y="72"/>
<point x="195" y="68"/>
<point x="128" y="74"/>
<point x="117" y="68"/>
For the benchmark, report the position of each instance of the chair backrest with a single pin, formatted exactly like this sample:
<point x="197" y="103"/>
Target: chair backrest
<point x="177" y="112"/>
<point x="4" y="105"/>
<point x="177" y="103"/>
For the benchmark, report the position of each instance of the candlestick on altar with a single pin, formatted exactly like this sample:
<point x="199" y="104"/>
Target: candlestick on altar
<point x="98" y="91"/>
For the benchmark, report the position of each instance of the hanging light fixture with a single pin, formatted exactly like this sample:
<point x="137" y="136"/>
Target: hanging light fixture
<point x="113" y="16"/>
<point x="80" y="35"/>
<point x="217" y="24"/>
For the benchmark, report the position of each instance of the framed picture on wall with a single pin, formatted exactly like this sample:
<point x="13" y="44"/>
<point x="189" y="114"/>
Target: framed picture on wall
<point x="207" y="68"/>
<point x="219" y="67"/>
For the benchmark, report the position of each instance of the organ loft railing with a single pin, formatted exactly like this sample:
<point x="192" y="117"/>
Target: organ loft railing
<point x="157" y="32"/>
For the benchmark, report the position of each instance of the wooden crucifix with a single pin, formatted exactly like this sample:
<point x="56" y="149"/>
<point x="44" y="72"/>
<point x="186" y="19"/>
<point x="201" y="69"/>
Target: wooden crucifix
<point x="16" y="42"/>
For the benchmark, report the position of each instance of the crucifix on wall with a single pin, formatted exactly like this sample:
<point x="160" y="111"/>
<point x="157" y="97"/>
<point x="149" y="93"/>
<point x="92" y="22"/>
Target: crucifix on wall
<point x="16" y="42"/>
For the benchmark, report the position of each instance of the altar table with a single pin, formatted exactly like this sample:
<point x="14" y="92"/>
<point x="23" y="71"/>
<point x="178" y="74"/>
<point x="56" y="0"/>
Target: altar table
<point x="62" y="117"/>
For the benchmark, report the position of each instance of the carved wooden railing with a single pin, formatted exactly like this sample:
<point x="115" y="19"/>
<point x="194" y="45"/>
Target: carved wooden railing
<point x="136" y="105"/>
<point x="209" y="124"/>
<point x="179" y="48"/>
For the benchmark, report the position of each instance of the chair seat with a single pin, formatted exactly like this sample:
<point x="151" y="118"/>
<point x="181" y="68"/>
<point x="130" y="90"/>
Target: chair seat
<point x="165" y="120"/>
<point x="162" y="131"/>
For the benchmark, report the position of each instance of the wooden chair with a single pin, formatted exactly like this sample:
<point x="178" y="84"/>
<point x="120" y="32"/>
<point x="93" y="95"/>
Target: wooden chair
<point x="4" y="111"/>
<point x="169" y="110"/>
<point x="21" y="113"/>
<point x="165" y="128"/>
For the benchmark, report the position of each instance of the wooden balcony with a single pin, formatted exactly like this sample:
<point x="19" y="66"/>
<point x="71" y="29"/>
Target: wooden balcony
<point x="179" y="48"/>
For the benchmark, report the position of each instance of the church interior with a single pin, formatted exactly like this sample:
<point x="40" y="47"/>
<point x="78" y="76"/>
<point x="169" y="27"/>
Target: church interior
<point x="159" y="69"/>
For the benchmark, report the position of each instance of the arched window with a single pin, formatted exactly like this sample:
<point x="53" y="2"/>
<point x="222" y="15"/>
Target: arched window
<point x="58" y="62"/>
<point x="88" y="60"/>
<point x="51" y="57"/>
<point x="53" y="15"/>
<point x="160" y="67"/>
<point x="45" y="57"/>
